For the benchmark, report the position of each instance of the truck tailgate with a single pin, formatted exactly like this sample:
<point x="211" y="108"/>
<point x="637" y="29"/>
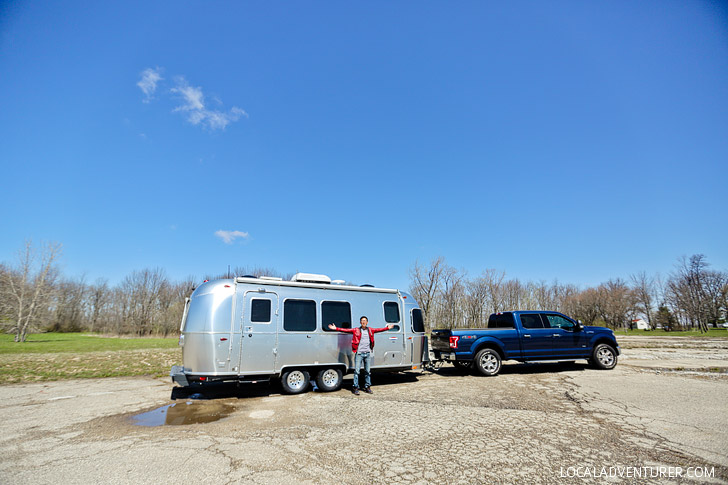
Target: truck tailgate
<point x="440" y="339"/>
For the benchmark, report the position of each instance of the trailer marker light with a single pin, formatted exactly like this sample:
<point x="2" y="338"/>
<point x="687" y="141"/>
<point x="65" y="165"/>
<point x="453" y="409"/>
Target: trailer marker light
<point x="454" y="342"/>
<point x="203" y="378"/>
<point x="223" y="339"/>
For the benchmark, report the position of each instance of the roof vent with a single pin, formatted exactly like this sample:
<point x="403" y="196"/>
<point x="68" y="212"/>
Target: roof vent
<point x="311" y="278"/>
<point x="338" y="282"/>
<point x="271" y="278"/>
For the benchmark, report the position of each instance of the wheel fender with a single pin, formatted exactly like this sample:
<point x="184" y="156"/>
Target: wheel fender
<point x="602" y="339"/>
<point x="489" y="342"/>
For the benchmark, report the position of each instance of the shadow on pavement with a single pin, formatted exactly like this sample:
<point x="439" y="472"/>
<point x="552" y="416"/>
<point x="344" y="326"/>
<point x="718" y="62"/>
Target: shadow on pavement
<point x="227" y="390"/>
<point x="519" y="368"/>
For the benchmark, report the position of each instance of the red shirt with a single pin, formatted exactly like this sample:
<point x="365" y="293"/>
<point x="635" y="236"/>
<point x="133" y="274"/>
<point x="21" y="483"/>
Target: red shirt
<point x="357" y="335"/>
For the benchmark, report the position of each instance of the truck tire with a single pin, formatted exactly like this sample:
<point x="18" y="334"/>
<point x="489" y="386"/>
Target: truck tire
<point x="604" y="357"/>
<point x="328" y="380"/>
<point x="487" y="362"/>
<point x="295" y="381"/>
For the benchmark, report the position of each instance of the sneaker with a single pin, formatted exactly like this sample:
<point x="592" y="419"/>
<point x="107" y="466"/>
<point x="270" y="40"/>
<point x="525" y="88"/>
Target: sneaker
<point x="367" y="390"/>
<point x="356" y="391"/>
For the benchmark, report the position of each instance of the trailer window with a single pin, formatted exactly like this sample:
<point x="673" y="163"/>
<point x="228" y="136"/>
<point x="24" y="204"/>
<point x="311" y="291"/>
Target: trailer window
<point x="299" y="315"/>
<point x="418" y="323"/>
<point x="336" y="312"/>
<point x="501" y="320"/>
<point x="391" y="312"/>
<point x="260" y="311"/>
<point x="531" y="320"/>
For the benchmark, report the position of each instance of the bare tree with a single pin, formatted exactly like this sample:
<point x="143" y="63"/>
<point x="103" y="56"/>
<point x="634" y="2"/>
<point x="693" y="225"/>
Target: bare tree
<point x="141" y="291"/>
<point x="644" y="290"/>
<point x="689" y="292"/>
<point x="70" y="306"/>
<point x="453" y="292"/>
<point x="29" y="284"/>
<point x="493" y="281"/>
<point x="512" y="291"/>
<point x="586" y="305"/>
<point x="476" y="294"/>
<point x="425" y="285"/>
<point x="618" y="303"/>
<point x="99" y="298"/>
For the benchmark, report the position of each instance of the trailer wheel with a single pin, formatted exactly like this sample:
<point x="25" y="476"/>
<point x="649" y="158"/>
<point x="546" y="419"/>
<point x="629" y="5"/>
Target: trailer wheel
<point x="604" y="357"/>
<point x="488" y="362"/>
<point x="329" y="380"/>
<point x="295" y="381"/>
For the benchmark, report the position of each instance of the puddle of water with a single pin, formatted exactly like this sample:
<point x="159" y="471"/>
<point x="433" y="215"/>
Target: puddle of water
<point x="189" y="412"/>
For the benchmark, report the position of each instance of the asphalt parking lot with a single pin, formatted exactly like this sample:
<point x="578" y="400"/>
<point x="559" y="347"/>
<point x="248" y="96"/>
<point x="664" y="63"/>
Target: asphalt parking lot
<point x="663" y="409"/>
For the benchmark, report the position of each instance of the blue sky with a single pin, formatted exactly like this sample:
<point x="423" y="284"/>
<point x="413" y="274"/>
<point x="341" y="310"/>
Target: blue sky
<point x="576" y="141"/>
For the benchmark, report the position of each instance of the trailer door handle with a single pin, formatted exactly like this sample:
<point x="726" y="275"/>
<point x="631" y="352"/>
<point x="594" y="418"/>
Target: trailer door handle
<point x="308" y="336"/>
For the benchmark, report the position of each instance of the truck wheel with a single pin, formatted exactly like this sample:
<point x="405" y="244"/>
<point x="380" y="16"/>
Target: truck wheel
<point x="604" y="357"/>
<point x="329" y="380"/>
<point x="488" y="362"/>
<point x="295" y="381"/>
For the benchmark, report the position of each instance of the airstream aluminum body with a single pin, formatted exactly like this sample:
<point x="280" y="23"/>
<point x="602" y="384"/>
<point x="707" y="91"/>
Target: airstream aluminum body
<point x="252" y="329"/>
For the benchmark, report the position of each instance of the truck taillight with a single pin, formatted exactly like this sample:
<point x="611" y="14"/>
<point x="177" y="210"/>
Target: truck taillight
<point x="454" y="342"/>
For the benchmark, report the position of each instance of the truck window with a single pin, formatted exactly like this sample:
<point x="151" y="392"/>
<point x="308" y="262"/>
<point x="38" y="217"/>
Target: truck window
<point x="299" y="315"/>
<point x="501" y="320"/>
<point x="336" y="312"/>
<point x="531" y="320"/>
<point x="391" y="312"/>
<point x="260" y="310"/>
<point x="557" y="321"/>
<point x="418" y="323"/>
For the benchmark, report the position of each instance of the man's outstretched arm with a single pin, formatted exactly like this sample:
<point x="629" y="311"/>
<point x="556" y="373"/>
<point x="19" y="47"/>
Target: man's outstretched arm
<point x="383" y="329"/>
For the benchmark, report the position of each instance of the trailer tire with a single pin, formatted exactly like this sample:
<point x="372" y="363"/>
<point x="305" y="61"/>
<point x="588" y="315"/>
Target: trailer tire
<point x="329" y="379"/>
<point x="295" y="381"/>
<point x="487" y="362"/>
<point x="604" y="357"/>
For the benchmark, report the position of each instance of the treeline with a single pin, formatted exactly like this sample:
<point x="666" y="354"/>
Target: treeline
<point x="692" y="296"/>
<point x="36" y="297"/>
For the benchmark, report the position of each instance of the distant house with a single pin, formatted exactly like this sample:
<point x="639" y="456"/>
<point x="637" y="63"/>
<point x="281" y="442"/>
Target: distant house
<point x="640" y="324"/>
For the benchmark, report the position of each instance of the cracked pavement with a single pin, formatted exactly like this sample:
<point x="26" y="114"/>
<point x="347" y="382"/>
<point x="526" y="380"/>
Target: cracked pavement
<point x="526" y="425"/>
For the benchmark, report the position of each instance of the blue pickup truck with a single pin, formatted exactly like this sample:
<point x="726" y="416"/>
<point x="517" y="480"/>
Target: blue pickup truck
<point x="525" y="336"/>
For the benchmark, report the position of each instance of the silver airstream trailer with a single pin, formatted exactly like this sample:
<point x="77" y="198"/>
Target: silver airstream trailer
<point x="252" y="329"/>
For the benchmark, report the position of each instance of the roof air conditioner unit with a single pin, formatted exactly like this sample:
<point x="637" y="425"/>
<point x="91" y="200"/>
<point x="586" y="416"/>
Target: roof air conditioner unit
<point x="311" y="278"/>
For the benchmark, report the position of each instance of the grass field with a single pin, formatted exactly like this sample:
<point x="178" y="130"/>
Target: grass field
<point x="54" y="356"/>
<point x="713" y="332"/>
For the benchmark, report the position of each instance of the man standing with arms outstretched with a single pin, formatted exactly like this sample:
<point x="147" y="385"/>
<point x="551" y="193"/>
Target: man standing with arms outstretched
<point x="362" y="344"/>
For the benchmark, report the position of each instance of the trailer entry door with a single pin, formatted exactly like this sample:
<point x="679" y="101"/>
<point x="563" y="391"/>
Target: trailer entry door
<point x="259" y="328"/>
<point x="390" y="345"/>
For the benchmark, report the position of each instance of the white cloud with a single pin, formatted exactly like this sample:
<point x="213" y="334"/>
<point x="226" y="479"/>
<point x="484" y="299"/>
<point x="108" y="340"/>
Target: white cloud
<point x="193" y="104"/>
<point x="229" y="237"/>
<point x="148" y="82"/>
